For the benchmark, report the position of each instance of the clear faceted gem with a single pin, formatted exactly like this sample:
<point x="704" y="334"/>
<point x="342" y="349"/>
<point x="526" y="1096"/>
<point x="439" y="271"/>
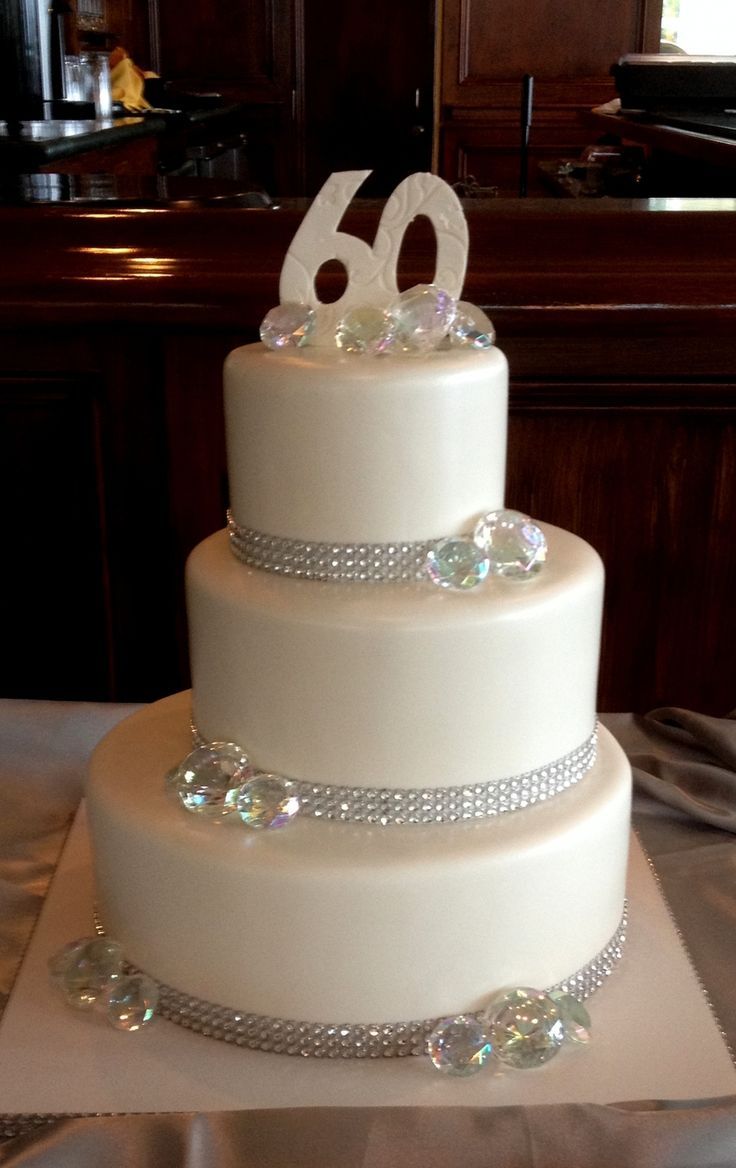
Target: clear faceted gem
<point x="84" y="969"/>
<point x="423" y="316"/>
<point x="526" y="1028"/>
<point x="366" y="330"/>
<point x="575" y="1017"/>
<point x="459" y="1045"/>
<point x="209" y="778"/>
<point x="131" y="1002"/>
<point x="457" y="563"/>
<point x="288" y="326"/>
<point x="514" y="545"/>
<point x="267" y="801"/>
<point x="471" y="328"/>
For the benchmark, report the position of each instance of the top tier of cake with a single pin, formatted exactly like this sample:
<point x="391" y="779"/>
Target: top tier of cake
<point x="328" y="447"/>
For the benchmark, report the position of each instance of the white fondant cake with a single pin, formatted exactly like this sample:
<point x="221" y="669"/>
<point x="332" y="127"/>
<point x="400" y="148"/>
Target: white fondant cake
<point x="387" y="703"/>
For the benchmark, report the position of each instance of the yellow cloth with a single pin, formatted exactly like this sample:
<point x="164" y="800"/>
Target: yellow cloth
<point x="127" y="82"/>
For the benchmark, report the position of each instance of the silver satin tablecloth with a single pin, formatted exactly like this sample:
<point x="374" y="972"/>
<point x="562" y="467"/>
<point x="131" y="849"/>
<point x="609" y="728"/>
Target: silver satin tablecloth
<point x="685" y="813"/>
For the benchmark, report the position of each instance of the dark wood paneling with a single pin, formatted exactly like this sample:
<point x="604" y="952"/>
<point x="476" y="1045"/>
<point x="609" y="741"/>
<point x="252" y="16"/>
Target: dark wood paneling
<point x="486" y="41"/>
<point x="244" y="50"/>
<point x="57" y="639"/>
<point x="646" y="474"/>
<point x="86" y="514"/>
<point x="368" y="90"/>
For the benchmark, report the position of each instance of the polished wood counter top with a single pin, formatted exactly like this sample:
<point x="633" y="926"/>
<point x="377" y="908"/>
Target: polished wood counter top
<point x="182" y="259"/>
<point x="76" y="145"/>
<point x="43" y="143"/>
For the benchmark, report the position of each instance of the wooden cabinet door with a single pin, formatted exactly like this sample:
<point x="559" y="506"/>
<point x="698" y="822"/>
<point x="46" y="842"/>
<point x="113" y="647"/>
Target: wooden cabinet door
<point x="242" y="50"/>
<point x="491" y="41"/>
<point x="368" y="74"/>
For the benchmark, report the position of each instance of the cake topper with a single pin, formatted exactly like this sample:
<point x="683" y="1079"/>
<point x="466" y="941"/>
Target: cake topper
<point x="371" y="271"/>
<point x="372" y="316"/>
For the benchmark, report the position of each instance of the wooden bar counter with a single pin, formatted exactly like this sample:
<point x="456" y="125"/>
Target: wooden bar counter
<point x="618" y="319"/>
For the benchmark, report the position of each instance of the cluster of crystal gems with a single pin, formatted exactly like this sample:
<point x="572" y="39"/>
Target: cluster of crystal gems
<point x="91" y="973"/>
<point x="522" y="1029"/>
<point x="420" y="320"/>
<point x="504" y="543"/>
<point x="217" y="779"/>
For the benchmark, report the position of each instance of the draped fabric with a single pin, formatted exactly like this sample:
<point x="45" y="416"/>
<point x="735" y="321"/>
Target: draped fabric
<point x="691" y="765"/>
<point x="657" y="1135"/>
<point x="685" y="811"/>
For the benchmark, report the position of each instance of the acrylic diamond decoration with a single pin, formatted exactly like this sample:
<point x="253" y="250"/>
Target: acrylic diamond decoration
<point x="526" y="1028"/>
<point x="288" y="326"/>
<point x="471" y="328"/>
<point x="459" y="1045"/>
<point x="457" y="563"/>
<point x="423" y="315"/>
<point x="366" y="330"/>
<point x="267" y="801"/>
<point x="513" y="544"/>
<point x="84" y="969"/>
<point x="131" y="1002"/>
<point x="209" y="778"/>
<point x="575" y="1017"/>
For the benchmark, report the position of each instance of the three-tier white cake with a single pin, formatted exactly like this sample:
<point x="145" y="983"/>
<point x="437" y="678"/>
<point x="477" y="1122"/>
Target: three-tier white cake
<point x="463" y="827"/>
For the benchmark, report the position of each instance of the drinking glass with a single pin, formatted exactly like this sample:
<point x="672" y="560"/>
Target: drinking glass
<point x="96" y="82"/>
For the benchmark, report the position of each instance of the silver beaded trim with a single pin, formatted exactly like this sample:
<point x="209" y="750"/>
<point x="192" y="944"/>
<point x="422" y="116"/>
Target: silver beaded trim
<point x="366" y="562"/>
<point x="448" y="804"/>
<point x="350" y="1039"/>
<point x="394" y="805"/>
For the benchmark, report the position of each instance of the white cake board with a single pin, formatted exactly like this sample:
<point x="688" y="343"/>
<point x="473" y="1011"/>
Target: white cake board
<point x="654" y="1037"/>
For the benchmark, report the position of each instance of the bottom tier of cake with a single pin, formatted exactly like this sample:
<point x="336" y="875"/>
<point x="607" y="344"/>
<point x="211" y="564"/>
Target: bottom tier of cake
<point x="350" y="923"/>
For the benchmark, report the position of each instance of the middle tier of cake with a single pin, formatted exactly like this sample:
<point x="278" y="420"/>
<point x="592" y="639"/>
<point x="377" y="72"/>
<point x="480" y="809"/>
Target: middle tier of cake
<point x="396" y="685"/>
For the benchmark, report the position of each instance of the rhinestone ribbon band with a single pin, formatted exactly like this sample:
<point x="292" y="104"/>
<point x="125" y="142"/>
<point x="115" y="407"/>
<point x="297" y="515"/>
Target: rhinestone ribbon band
<point x="348" y="1040"/>
<point x="366" y="562"/>
<point x="396" y="805"/>
<point x="447" y="804"/>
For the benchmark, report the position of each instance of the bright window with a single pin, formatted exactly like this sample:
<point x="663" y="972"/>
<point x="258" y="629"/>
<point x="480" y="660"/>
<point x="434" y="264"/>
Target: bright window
<point x="700" y="26"/>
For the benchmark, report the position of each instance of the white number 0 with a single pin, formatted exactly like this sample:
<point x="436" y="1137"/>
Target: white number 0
<point x="371" y="271"/>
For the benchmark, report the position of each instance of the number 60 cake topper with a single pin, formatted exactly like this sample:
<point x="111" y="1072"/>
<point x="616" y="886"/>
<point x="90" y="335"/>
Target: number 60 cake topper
<point x="371" y="271"/>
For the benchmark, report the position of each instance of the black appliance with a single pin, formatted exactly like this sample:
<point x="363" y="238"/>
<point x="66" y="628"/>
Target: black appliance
<point x="653" y="83"/>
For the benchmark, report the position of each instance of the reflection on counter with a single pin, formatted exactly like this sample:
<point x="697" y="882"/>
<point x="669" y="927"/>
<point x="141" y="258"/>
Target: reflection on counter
<point x="204" y="140"/>
<point x="126" y="190"/>
<point x="698" y="204"/>
<point x="44" y="131"/>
